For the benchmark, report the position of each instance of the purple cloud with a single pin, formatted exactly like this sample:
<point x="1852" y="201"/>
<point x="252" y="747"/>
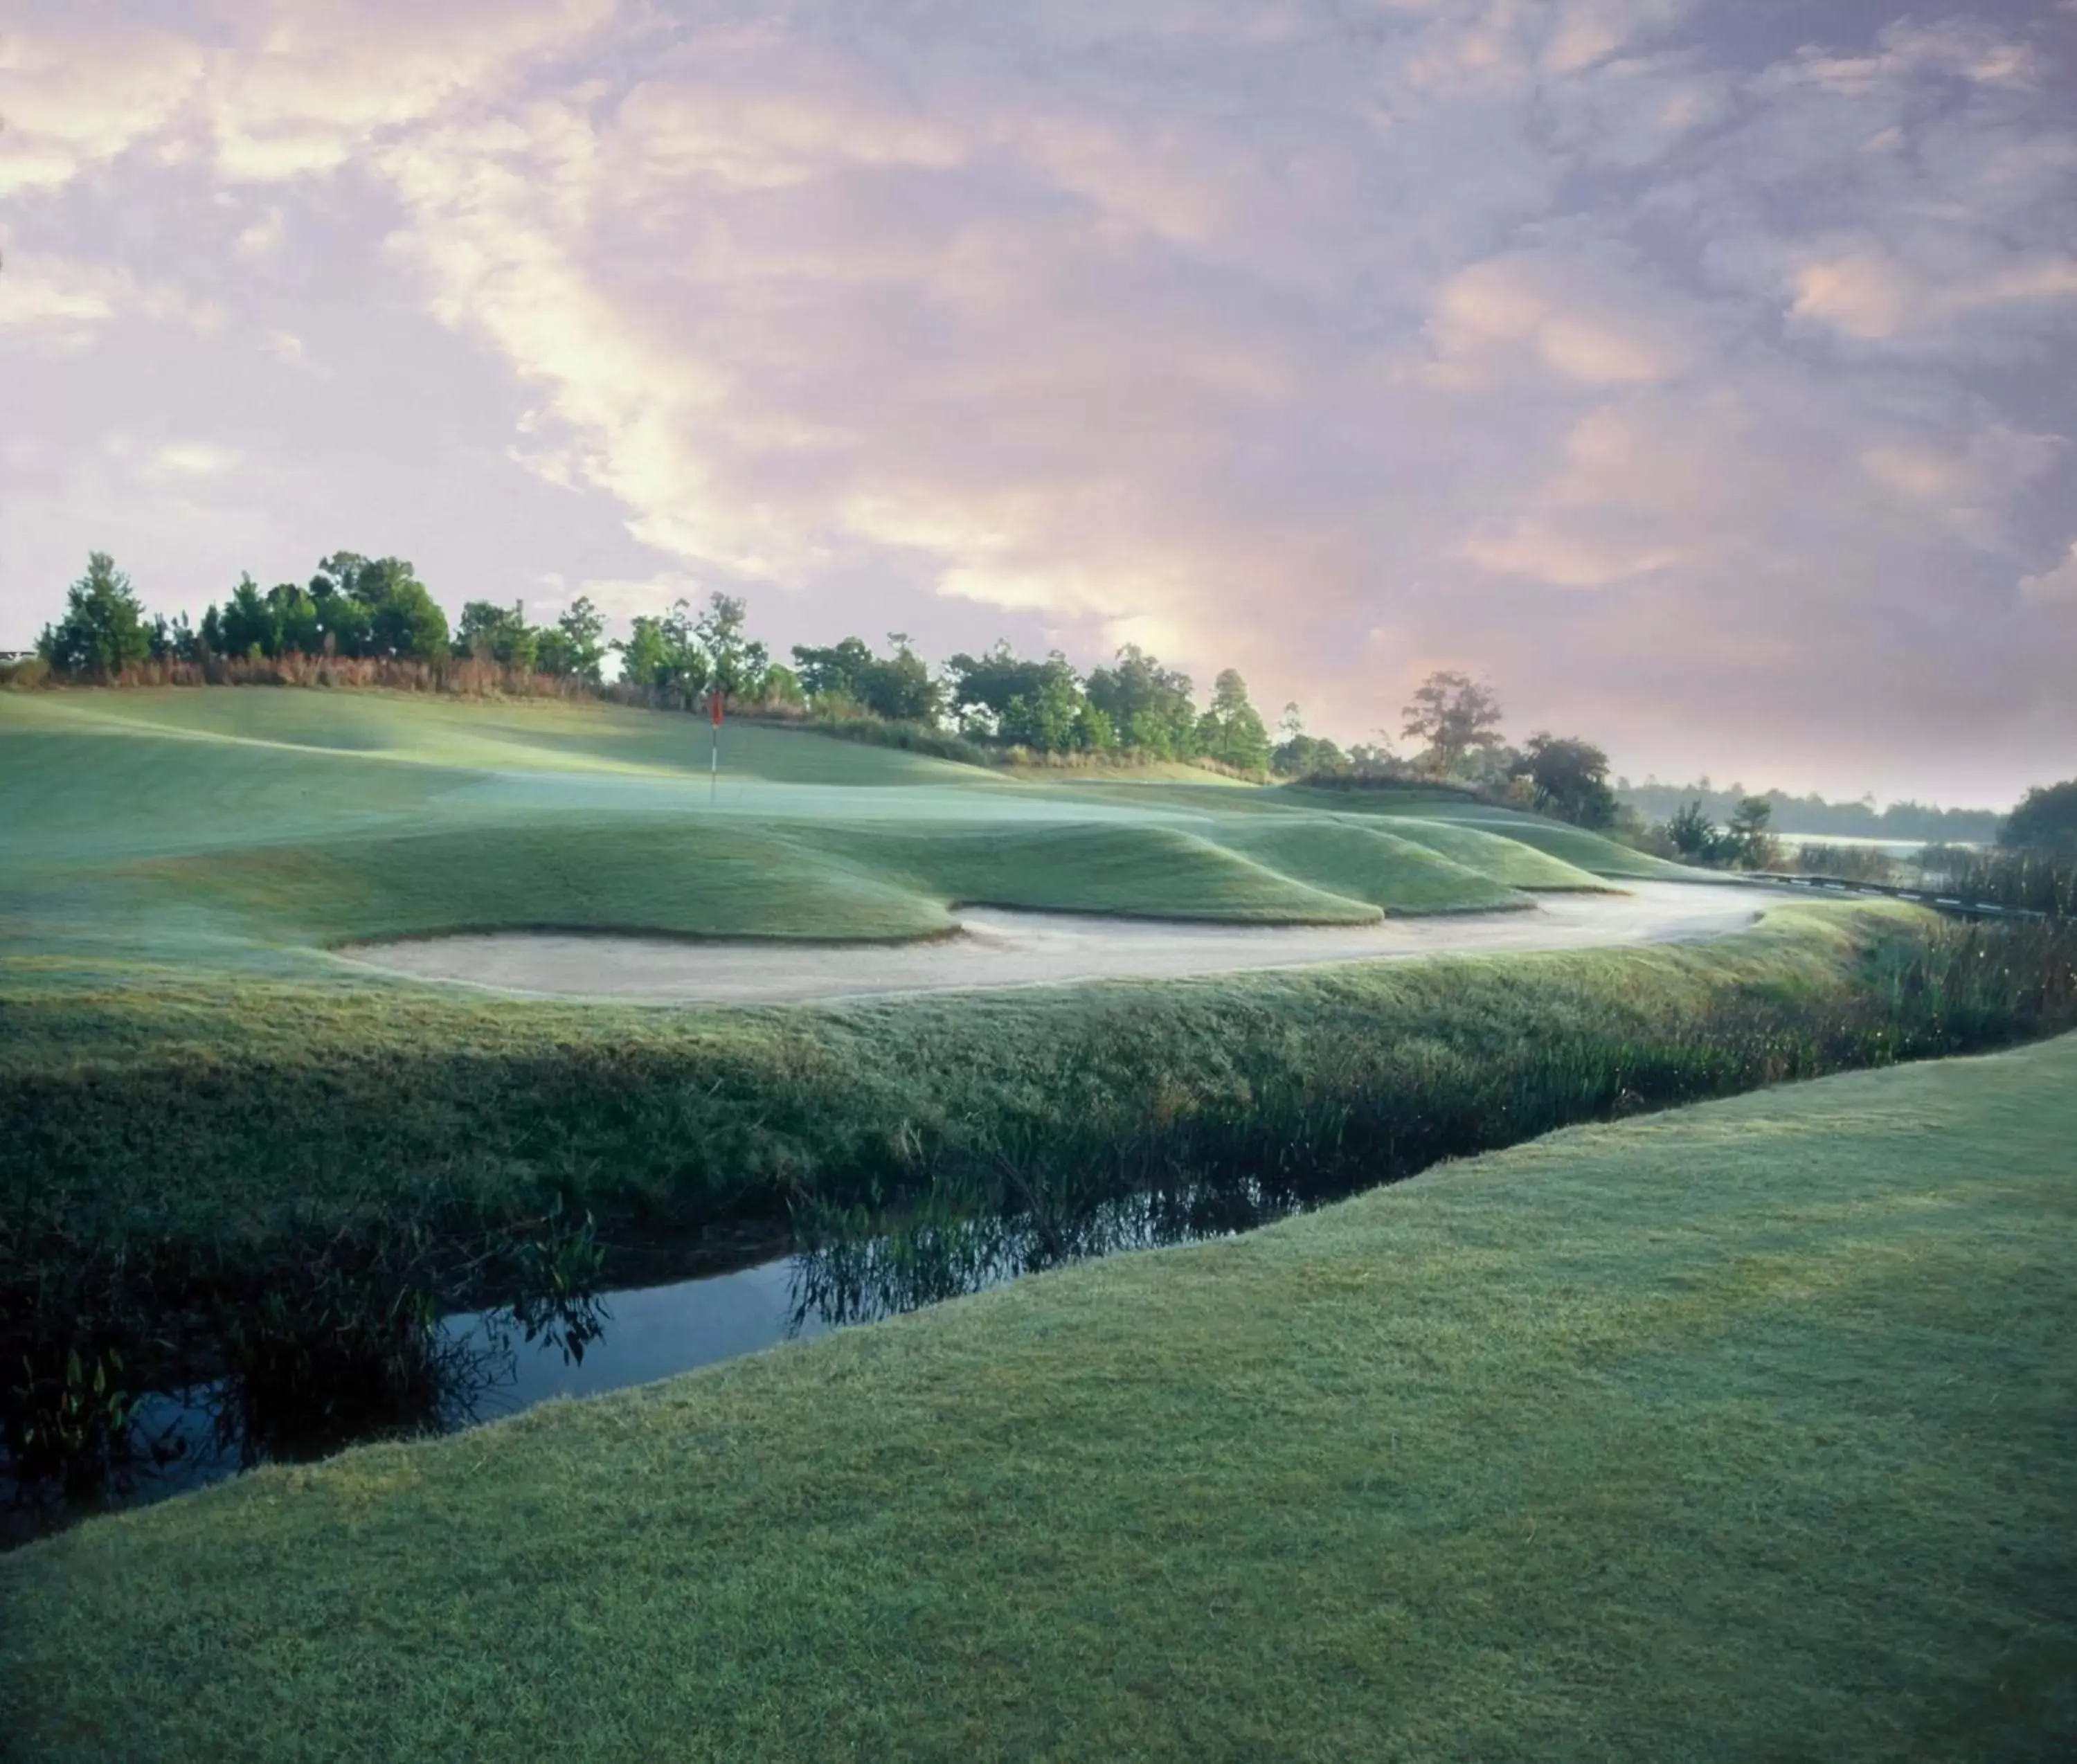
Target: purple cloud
<point x="1705" y="383"/>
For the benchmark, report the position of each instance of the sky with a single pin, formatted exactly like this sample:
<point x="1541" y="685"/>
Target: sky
<point x="1701" y="374"/>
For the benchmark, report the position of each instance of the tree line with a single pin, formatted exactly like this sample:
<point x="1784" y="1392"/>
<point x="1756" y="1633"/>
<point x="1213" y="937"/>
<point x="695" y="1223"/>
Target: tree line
<point x="377" y="610"/>
<point x="353" y="607"/>
<point x="1811" y="814"/>
<point x="358" y="608"/>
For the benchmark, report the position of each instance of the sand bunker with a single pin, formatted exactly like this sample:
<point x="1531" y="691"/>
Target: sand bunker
<point x="998" y="948"/>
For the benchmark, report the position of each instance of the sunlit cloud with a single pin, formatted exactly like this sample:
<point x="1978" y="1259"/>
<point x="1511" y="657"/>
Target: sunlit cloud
<point x="2056" y="586"/>
<point x="1701" y="386"/>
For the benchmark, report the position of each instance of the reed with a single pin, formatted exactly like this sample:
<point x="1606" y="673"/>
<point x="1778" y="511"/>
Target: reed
<point x="999" y="1202"/>
<point x="917" y="1150"/>
<point x="2018" y="880"/>
<point x="295" y="1356"/>
<point x="1846" y="863"/>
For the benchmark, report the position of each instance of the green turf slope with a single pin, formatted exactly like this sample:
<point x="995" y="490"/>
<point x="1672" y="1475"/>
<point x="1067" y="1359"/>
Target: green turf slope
<point x="782" y="879"/>
<point x="1505" y="859"/>
<point x="1367" y="863"/>
<point x="1574" y="846"/>
<point x="1739" y="1433"/>
<point x="503" y="735"/>
<point x="1150" y="871"/>
<point x="249" y="829"/>
<point x="586" y="871"/>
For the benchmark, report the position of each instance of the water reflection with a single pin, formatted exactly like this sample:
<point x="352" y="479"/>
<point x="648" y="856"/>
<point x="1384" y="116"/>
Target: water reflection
<point x="116" y="1407"/>
<point x="857" y="1269"/>
<point x="651" y="1333"/>
<point x="283" y="1389"/>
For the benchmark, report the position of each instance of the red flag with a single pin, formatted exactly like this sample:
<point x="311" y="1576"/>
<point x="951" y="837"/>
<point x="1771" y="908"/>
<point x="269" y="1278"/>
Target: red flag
<point x="714" y="708"/>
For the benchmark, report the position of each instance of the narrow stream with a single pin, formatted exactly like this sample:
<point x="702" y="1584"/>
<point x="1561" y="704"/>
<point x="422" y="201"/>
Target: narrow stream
<point x="480" y="1366"/>
<point x="108" y="1402"/>
<point x="193" y="1438"/>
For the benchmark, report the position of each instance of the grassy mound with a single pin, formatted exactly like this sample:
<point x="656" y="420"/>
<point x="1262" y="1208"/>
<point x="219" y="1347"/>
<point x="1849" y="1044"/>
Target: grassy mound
<point x="1367" y="863"/>
<point x="768" y="879"/>
<point x="1141" y="870"/>
<point x="1584" y="850"/>
<point x="629" y="873"/>
<point x="1575" y="846"/>
<point x="232" y="829"/>
<point x="1740" y="1432"/>
<point x="1509" y="860"/>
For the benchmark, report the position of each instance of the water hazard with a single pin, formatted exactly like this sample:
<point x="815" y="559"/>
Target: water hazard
<point x="294" y="1395"/>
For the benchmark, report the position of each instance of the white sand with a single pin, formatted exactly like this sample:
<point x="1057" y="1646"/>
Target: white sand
<point x="999" y="949"/>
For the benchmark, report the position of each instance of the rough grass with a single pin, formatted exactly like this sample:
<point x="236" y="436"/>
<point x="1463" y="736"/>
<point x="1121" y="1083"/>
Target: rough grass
<point x="1741" y="1432"/>
<point x="172" y="1110"/>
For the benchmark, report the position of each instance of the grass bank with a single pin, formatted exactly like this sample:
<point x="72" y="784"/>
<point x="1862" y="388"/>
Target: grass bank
<point x="201" y="1135"/>
<point x="1738" y="1432"/>
<point x="171" y="1190"/>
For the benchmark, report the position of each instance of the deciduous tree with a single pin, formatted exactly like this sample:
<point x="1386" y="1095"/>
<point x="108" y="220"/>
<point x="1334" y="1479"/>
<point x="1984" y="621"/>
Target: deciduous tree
<point x="1455" y="716"/>
<point x="2045" y="820"/>
<point x="1569" y="778"/>
<point x="492" y="633"/>
<point x="1147" y="706"/>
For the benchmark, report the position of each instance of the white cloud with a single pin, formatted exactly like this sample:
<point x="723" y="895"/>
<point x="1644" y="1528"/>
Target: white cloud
<point x="1234" y="330"/>
<point x="262" y="237"/>
<point x="1866" y="294"/>
<point x="290" y="87"/>
<point x="1579" y="320"/>
<point x="75" y="100"/>
<point x="194" y="460"/>
<point x="58" y="306"/>
<point x="1959" y="47"/>
<point x="2055" y="586"/>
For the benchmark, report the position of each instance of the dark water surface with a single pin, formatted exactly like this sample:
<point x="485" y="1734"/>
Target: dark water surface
<point x="189" y="1438"/>
<point x="471" y="1367"/>
<point x="347" y="1344"/>
<point x="651" y="1332"/>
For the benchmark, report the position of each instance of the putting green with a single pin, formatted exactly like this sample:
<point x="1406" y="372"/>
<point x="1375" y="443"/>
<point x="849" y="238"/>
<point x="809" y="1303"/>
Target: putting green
<point x="251" y="830"/>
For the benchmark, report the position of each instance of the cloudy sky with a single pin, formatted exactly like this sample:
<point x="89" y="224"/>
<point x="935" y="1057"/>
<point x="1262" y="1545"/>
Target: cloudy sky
<point x="1703" y="372"/>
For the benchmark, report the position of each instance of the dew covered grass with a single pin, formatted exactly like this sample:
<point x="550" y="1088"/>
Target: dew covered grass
<point x="1741" y="1431"/>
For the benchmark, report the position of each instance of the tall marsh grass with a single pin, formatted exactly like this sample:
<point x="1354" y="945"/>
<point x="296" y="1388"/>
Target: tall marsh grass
<point x="299" y="1356"/>
<point x="2025" y="881"/>
<point x="993" y="1205"/>
<point x="1847" y="862"/>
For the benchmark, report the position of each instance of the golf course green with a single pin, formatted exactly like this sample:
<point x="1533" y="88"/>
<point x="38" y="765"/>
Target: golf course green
<point x="1740" y="1432"/>
<point x="254" y="830"/>
<point x="204" y="1083"/>
<point x="1730" y="1433"/>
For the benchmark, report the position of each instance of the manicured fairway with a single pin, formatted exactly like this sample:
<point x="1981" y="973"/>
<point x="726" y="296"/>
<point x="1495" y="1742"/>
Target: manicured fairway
<point x="1739" y="1433"/>
<point x="248" y="831"/>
